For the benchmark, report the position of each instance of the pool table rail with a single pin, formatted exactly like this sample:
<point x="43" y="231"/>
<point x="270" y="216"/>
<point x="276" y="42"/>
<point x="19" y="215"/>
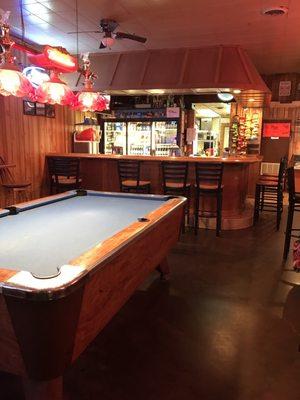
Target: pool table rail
<point x="112" y="246"/>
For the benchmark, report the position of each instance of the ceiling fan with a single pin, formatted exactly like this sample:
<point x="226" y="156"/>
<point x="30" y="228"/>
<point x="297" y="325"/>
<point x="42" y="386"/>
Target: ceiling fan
<point x="108" y="27"/>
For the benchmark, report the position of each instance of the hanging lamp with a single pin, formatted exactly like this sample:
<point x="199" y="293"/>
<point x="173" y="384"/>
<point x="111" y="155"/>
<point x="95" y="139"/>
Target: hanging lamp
<point x="54" y="91"/>
<point x="87" y="99"/>
<point x="12" y="81"/>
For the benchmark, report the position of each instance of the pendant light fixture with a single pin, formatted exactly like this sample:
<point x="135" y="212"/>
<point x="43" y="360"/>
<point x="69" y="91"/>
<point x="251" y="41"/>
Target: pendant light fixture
<point x="12" y="81"/>
<point x="57" y="60"/>
<point x="54" y="91"/>
<point x="87" y="99"/>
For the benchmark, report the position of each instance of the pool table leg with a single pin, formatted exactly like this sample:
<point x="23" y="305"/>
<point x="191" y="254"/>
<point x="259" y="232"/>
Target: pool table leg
<point x="46" y="390"/>
<point x="164" y="269"/>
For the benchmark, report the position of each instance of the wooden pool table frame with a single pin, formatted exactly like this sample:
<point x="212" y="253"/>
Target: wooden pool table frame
<point x="42" y="331"/>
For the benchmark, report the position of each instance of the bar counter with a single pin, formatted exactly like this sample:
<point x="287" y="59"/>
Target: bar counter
<point x="100" y="172"/>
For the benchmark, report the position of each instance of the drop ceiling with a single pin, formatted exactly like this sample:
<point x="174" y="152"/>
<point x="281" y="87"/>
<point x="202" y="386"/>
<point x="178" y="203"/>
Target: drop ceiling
<point x="272" y="42"/>
<point x="220" y="109"/>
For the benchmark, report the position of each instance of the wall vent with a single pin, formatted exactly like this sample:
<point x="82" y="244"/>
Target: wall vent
<point x="275" y="11"/>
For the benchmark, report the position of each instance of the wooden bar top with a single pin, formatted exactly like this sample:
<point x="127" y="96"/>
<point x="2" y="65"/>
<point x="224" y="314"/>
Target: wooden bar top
<point x="192" y="159"/>
<point x="100" y="172"/>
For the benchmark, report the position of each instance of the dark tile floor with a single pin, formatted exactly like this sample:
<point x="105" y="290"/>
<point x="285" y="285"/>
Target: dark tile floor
<point x="226" y="326"/>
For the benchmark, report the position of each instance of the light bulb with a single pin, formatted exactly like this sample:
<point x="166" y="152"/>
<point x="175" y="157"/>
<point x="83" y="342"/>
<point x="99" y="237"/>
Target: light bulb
<point x="9" y="81"/>
<point x="108" y="41"/>
<point x="87" y="99"/>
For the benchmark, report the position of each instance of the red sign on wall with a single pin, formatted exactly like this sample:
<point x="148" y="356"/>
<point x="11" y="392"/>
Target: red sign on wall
<point x="277" y="129"/>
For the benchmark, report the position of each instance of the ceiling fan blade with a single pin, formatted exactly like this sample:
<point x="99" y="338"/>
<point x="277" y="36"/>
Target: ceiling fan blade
<point x="102" y="46"/>
<point x="71" y="33"/>
<point x="122" y="35"/>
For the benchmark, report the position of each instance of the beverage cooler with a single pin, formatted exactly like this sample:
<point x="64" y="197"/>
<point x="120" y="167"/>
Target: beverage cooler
<point x="156" y="137"/>
<point x="115" y="134"/>
<point x="139" y="136"/>
<point x="165" y="137"/>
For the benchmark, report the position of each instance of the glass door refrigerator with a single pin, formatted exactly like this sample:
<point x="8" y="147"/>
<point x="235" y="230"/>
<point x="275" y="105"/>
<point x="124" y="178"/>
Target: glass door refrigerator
<point x="115" y="134"/>
<point x="165" y="138"/>
<point x="139" y="137"/>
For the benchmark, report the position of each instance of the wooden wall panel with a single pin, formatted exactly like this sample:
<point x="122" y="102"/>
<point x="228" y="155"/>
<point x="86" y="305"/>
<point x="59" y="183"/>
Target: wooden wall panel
<point x="25" y="139"/>
<point x="273" y="82"/>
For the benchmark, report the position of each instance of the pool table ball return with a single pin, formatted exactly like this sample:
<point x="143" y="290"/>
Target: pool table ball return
<point x="68" y="263"/>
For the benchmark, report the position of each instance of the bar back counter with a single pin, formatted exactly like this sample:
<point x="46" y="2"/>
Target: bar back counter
<point x="100" y="172"/>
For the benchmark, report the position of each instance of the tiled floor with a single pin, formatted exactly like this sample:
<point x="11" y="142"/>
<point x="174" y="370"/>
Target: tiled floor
<point x="226" y="326"/>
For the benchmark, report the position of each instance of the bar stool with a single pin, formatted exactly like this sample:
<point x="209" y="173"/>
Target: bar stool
<point x="294" y="205"/>
<point x="175" y="183"/>
<point x="209" y="184"/>
<point x="64" y="173"/>
<point x="14" y="191"/>
<point x="269" y="193"/>
<point x="130" y="177"/>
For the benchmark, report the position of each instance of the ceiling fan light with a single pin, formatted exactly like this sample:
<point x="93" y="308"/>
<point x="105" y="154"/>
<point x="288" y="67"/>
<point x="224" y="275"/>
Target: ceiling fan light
<point x="108" y="41"/>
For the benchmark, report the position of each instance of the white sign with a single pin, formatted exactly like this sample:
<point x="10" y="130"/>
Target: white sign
<point x="173" y="112"/>
<point x="285" y="88"/>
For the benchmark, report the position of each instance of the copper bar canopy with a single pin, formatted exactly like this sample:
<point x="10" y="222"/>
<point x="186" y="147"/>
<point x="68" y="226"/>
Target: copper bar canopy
<point x="186" y="70"/>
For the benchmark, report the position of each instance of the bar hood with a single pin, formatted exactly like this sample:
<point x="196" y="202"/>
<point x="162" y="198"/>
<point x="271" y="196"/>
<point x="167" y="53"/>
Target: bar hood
<point x="182" y="71"/>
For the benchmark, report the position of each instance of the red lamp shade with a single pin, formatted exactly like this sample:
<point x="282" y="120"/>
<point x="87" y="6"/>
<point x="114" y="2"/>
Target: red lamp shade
<point x="87" y="100"/>
<point x="55" y="58"/>
<point x="13" y="82"/>
<point x="55" y="91"/>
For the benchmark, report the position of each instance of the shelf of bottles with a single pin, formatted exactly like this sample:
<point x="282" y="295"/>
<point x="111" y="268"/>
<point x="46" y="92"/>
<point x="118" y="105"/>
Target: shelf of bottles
<point x="115" y="136"/>
<point x="165" y="138"/>
<point x="139" y="138"/>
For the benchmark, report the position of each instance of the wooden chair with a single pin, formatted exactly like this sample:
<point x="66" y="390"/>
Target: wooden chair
<point x="294" y="205"/>
<point x="14" y="191"/>
<point x="269" y="193"/>
<point x="64" y="173"/>
<point x="208" y="184"/>
<point x="129" y="177"/>
<point x="175" y="183"/>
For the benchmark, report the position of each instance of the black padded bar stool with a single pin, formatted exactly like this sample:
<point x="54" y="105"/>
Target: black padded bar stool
<point x="175" y="182"/>
<point x="130" y="177"/>
<point x="209" y="184"/>
<point x="269" y="193"/>
<point x="294" y="205"/>
<point x="64" y="173"/>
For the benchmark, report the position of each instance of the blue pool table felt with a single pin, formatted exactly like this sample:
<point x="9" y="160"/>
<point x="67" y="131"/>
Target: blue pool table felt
<point x="44" y="238"/>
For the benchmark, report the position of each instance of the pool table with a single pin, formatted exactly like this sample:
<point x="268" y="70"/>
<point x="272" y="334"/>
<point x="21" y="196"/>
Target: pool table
<point x="67" y="264"/>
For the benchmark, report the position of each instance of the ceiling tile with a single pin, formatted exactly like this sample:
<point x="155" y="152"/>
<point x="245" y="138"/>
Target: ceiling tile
<point x="170" y="24"/>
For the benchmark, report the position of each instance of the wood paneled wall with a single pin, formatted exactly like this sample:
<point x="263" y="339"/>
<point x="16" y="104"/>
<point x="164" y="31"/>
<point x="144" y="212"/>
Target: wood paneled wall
<point x="290" y="112"/>
<point x="273" y="82"/>
<point x="24" y="140"/>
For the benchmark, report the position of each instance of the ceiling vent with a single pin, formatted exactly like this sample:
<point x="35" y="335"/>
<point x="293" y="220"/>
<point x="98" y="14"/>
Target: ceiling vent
<point x="275" y="11"/>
